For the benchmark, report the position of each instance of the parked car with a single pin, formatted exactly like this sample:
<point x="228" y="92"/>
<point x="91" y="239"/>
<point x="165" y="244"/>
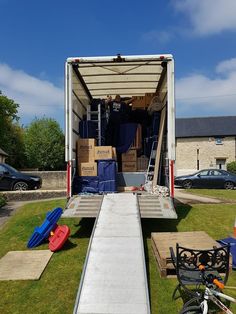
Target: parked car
<point x="12" y="179"/>
<point x="207" y="178"/>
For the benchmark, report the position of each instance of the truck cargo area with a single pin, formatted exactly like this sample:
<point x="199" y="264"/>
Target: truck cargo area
<point x="143" y="157"/>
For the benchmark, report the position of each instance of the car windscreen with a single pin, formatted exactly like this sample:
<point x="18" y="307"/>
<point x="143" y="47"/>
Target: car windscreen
<point x="10" y="168"/>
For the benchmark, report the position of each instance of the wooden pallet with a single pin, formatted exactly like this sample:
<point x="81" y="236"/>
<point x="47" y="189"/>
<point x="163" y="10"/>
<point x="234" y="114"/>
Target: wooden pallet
<point x="162" y="241"/>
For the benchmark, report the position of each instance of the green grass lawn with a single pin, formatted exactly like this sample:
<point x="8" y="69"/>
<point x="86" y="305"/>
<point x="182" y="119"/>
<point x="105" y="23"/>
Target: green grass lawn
<point x="227" y="195"/>
<point x="55" y="292"/>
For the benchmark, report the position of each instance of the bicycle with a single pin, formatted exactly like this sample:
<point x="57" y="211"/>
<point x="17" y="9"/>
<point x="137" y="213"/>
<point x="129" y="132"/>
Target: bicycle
<point x="212" y="293"/>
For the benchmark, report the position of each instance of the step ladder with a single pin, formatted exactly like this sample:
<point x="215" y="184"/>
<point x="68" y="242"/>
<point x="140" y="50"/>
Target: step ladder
<point x="96" y="116"/>
<point x="151" y="164"/>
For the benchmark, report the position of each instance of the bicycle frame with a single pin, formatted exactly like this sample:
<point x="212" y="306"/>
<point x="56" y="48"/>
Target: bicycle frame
<point x="211" y="294"/>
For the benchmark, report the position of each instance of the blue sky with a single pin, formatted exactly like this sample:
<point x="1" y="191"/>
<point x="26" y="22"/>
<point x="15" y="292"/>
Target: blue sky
<point x="38" y="36"/>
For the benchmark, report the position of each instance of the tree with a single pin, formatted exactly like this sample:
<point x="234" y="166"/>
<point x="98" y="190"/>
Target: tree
<point x="231" y="166"/>
<point x="11" y="134"/>
<point x="44" y="145"/>
<point x="16" y="146"/>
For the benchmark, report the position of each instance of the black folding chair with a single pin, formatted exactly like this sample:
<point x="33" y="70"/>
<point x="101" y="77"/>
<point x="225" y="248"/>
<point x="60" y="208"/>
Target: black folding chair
<point x="187" y="262"/>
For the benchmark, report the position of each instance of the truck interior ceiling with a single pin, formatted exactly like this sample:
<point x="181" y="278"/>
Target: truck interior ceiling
<point x="136" y="135"/>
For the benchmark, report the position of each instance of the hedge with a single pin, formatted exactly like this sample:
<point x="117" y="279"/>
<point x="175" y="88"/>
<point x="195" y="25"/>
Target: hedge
<point x="232" y="166"/>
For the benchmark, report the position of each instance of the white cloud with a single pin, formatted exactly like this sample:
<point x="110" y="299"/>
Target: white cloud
<point x="226" y="66"/>
<point x="157" y="36"/>
<point x="199" y="95"/>
<point x="36" y="97"/>
<point x="208" y="16"/>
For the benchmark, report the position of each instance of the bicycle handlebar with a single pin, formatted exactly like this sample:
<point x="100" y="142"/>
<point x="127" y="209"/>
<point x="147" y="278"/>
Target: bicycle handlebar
<point x="218" y="284"/>
<point x="210" y="278"/>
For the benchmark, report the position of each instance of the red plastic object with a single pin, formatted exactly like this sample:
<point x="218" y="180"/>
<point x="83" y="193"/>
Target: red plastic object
<point x="58" y="238"/>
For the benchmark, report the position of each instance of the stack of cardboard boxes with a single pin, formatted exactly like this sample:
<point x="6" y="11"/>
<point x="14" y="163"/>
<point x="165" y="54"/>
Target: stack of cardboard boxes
<point x="129" y="161"/>
<point x="142" y="102"/>
<point x="88" y="153"/>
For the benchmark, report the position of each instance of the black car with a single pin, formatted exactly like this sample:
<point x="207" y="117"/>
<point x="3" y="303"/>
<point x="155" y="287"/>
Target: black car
<point x="209" y="179"/>
<point x="12" y="179"/>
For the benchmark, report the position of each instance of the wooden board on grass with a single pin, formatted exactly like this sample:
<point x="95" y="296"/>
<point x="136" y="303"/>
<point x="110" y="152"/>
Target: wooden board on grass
<point x="162" y="241"/>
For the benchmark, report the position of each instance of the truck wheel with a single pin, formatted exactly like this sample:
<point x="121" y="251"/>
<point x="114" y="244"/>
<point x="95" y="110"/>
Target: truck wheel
<point x="187" y="184"/>
<point x="20" y="186"/>
<point x="229" y="185"/>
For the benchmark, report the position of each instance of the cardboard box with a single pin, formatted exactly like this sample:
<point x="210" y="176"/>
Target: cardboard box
<point x="85" y="149"/>
<point x="137" y="143"/>
<point x="129" y="166"/>
<point x="103" y="152"/>
<point x="142" y="163"/>
<point x="148" y="98"/>
<point x="114" y="156"/>
<point x="131" y="155"/>
<point x="138" y="102"/>
<point x="88" y="169"/>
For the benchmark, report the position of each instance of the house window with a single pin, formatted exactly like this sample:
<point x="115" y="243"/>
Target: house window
<point x="219" y="140"/>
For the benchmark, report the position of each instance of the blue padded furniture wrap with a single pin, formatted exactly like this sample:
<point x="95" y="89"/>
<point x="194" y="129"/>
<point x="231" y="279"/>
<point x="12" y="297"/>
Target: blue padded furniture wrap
<point x="107" y="186"/>
<point x="88" y="184"/>
<point x="87" y="129"/>
<point x="107" y="171"/>
<point x="126" y="137"/>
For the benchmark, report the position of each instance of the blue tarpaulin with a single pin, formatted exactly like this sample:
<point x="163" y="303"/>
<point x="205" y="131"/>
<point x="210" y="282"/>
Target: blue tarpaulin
<point x="232" y="242"/>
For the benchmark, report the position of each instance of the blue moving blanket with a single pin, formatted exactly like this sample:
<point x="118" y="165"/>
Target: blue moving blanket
<point x="232" y="242"/>
<point x="126" y="137"/>
<point x="107" y="171"/>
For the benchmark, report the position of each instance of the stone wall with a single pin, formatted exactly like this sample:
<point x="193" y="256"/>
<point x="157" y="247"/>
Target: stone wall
<point x="205" y="149"/>
<point x="51" y="180"/>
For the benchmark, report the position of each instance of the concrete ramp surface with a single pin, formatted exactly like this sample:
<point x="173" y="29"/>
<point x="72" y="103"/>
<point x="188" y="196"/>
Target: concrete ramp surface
<point x="114" y="276"/>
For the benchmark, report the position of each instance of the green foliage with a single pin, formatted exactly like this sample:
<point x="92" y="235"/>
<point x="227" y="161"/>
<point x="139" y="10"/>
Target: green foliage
<point x="44" y="145"/>
<point x="232" y="166"/>
<point x="2" y="201"/>
<point x="8" y="110"/>
<point x="65" y="267"/>
<point x="11" y="134"/>
<point x="15" y="147"/>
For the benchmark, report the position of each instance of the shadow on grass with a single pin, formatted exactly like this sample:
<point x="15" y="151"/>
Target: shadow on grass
<point x="68" y="245"/>
<point x="84" y="228"/>
<point x="161" y="225"/>
<point x="6" y="211"/>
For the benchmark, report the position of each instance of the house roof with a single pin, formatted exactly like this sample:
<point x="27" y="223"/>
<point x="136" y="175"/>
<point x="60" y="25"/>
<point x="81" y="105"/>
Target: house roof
<point x="3" y="153"/>
<point x="206" y="126"/>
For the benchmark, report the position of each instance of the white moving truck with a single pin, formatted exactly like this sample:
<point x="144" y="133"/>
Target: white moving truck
<point x="88" y="78"/>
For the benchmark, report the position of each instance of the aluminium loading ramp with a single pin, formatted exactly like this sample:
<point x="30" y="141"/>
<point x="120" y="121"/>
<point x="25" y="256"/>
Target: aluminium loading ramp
<point x="114" y="276"/>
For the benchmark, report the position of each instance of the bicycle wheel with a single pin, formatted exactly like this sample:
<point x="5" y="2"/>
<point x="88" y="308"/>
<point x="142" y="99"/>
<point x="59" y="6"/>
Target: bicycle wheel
<point x="194" y="309"/>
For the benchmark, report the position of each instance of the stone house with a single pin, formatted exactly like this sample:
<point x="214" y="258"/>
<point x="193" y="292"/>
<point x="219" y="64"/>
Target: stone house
<point x="202" y="143"/>
<point x="3" y="156"/>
